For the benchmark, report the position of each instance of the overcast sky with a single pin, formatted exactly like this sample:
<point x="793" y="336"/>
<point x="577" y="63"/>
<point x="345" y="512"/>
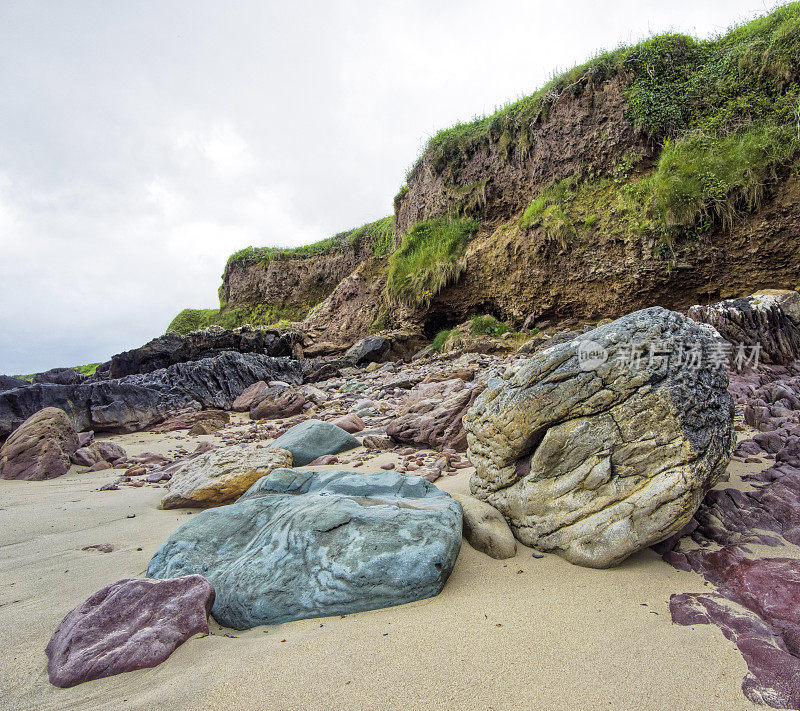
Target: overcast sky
<point x="143" y="142"/>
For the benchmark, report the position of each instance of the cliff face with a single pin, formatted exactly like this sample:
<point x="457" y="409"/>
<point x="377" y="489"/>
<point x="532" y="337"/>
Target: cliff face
<point x="512" y="273"/>
<point x="291" y="285"/>
<point x="500" y="178"/>
<point x="265" y="285"/>
<point x="660" y="174"/>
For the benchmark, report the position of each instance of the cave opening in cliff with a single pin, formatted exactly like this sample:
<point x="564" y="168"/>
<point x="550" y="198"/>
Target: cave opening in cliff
<point x="439" y="322"/>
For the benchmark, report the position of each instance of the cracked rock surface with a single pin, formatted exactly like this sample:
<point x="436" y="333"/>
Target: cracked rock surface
<point x="310" y="544"/>
<point x="222" y="475"/>
<point x="596" y="460"/>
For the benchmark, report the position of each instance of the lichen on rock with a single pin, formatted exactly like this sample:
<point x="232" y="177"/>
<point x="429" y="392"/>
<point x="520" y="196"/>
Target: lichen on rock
<point x="595" y="463"/>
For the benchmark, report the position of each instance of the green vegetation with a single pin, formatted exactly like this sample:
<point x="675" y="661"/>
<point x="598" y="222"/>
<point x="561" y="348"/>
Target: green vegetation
<point x="431" y="256"/>
<point x="88" y="369"/>
<point x="549" y="210"/>
<point x="378" y="236"/>
<point x="701" y="178"/>
<point x="488" y="326"/>
<point x="263" y="315"/>
<point x="441" y="338"/>
<point x="725" y="108"/>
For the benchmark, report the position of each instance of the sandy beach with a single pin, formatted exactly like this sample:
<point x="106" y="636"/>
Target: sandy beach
<point x="521" y="633"/>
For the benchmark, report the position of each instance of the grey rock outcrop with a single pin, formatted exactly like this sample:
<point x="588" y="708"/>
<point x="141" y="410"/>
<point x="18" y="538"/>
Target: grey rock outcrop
<point x="40" y="448"/>
<point x="172" y="348"/>
<point x="60" y="376"/>
<point x="594" y="455"/>
<point x="311" y="544"/>
<point x="139" y="401"/>
<point x="8" y="382"/>
<point x="370" y="349"/>
<point x="769" y="319"/>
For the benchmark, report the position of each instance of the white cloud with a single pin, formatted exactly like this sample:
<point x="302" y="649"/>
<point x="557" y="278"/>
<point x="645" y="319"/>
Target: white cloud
<point x="142" y="143"/>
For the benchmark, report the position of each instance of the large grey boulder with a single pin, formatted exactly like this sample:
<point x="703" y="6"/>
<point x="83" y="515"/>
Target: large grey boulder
<point x="40" y="448"/>
<point x="593" y="455"/>
<point x="314" y="438"/>
<point x="312" y="544"/>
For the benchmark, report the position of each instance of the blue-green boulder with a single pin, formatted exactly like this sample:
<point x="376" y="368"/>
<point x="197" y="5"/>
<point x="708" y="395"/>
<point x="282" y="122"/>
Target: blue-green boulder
<point x="304" y="544"/>
<point x="314" y="438"/>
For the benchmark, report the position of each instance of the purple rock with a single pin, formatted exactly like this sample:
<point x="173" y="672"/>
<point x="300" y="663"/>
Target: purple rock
<point x="130" y="624"/>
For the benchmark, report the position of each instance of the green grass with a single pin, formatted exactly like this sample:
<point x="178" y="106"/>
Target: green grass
<point x="440" y="339"/>
<point x="700" y="177"/>
<point x="673" y="84"/>
<point x="88" y="369"/>
<point x="263" y="315"/>
<point x="698" y="181"/>
<point x="431" y="256"/>
<point x="377" y="237"/>
<point x="488" y="326"/>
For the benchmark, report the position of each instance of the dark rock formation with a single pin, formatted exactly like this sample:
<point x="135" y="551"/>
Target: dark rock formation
<point x="371" y="349"/>
<point x="172" y="348"/>
<point x="594" y="453"/>
<point x="305" y="544"/>
<point x="40" y="448"/>
<point x="139" y="401"/>
<point x="9" y="383"/>
<point x="769" y="319"/>
<point x="60" y="376"/>
<point x="431" y="414"/>
<point x="130" y="624"/>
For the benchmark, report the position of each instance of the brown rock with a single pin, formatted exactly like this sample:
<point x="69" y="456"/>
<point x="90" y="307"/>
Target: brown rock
<point x="40" y="448"/>
<point x="130" y="624"/>
<point x="250" y="397"/>
<point x="431" y="414"/>
<point x="187" y="420"/>
<point x="278" y="401"/>
<point x="349" y="423"/>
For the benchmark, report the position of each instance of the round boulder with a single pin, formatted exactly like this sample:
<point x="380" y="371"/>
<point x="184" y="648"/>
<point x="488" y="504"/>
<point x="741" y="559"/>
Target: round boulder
<point x="606" y="444"/>
<point x="40" y="448"/>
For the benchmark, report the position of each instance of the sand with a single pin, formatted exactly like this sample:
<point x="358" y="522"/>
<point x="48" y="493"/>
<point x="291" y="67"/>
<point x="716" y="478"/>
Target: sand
<point x="524" y="633"/>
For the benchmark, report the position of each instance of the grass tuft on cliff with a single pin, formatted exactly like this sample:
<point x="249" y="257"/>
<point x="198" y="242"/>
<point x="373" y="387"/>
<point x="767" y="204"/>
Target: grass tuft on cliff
<point x="488" y="325"/>
<point x="431" y="256"/>
<point x="376" y="236"/>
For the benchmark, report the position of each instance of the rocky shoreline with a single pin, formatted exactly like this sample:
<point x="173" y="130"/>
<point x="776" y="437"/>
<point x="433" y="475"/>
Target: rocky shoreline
<point x="594" y="463"/>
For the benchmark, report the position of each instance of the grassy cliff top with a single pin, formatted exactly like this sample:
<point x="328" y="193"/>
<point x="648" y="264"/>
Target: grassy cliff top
<point x="673" y="84"/>
<point x="376" y="236"/>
